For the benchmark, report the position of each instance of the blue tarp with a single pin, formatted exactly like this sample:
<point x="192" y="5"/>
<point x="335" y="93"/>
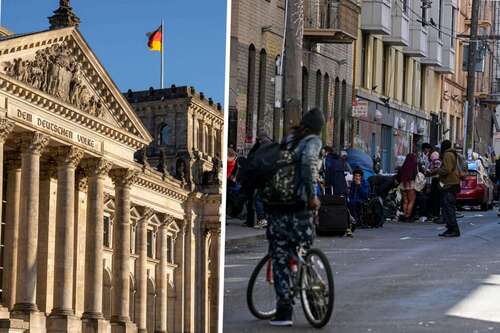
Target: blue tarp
<point x="358" y="159"/>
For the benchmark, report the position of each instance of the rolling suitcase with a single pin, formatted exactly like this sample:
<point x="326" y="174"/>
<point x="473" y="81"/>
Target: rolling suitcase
<point x="333" y="215"/>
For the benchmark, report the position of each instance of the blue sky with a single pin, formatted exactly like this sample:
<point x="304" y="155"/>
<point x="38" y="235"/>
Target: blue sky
<point x="195" y="38"/>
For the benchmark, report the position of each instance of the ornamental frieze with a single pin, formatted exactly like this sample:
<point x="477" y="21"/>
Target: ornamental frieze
<point x="55" y="71"/>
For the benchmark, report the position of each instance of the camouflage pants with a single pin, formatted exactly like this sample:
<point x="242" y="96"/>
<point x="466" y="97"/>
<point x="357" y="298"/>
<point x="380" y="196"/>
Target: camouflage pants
<point x="285" y="233"/>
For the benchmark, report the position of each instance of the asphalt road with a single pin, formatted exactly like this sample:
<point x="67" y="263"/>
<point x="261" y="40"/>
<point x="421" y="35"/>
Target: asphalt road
<point x="400" y="278"/>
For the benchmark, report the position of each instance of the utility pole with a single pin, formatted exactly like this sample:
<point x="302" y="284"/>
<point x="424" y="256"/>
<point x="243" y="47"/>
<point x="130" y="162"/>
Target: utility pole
<point x="471" y="77"/>
<point x="294" y="35"/>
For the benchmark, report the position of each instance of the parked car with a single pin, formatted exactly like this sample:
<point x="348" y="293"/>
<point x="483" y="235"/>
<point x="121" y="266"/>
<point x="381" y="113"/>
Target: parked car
<point x="476" y="189"/>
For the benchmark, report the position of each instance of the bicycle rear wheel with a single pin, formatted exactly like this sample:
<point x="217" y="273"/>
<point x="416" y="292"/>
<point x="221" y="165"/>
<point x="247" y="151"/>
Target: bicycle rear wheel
<point x="317" y="292"/>
<point x="261" y="297"/>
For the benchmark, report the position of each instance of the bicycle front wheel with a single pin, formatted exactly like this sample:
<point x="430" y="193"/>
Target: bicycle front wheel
<point x="317" y="291"/>
<point x="261" y="299"/>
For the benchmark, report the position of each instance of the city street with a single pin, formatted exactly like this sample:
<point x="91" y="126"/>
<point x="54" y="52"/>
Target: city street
<point x="400" y="278"/>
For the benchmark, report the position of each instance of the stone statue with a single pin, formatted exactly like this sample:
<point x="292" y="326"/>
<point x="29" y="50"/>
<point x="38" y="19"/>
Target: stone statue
<point x="180" y="170"/>
<point x="55" y="71"/>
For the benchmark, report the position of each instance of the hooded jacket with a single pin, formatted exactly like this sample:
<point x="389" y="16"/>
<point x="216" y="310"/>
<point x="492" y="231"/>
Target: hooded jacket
<point x="448" y="175"/>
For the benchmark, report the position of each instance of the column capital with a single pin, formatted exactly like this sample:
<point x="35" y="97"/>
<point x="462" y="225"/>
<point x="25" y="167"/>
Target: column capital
<point x="99" y="167"/>
<point x="167" y="221"/>
<point x="147" y="213"/>
<point x="123" y="177"/>
<point x="68" y="156"/>
<point x="82" y="182"/>
<point x="6" y="127"/>
<point x="34" y="142"/>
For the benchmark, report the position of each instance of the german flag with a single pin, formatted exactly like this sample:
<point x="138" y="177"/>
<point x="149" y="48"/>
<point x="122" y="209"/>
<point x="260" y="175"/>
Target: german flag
<point x="155" y="39"/>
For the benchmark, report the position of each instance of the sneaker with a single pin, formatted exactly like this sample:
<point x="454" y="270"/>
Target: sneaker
<point x="261" y="224"/>
<point x="422" y="219"/>
<point x="283" y="316"/>
<point x="450" y="233"/>
<point x="348" y="233"/>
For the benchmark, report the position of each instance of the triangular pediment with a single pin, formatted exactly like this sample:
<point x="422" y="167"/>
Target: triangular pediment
<point x="59" y="65"/>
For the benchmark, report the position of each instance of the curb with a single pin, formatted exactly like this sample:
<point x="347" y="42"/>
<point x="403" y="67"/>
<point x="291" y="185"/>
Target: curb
<point x="242" y="241"/>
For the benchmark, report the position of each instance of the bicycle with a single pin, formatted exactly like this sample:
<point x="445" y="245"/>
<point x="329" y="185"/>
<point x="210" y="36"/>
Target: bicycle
<point x="316" y="292"/>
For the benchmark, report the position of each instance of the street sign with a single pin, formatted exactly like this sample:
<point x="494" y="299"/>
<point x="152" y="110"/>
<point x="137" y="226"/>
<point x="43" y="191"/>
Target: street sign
<point x="359" y="108"/>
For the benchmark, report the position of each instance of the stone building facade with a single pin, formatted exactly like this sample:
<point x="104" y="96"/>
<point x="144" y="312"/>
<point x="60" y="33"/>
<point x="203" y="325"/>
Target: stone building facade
<point x="404" y="50"/>
<point x="95" y="239"/>
<point x="257" y="30"/>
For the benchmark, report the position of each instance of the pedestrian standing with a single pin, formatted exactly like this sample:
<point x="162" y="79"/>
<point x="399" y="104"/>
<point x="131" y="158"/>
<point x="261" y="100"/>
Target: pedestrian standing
<point x="406" y="177"/>
<point x="290" y="228"/>
<point x="435" y="197"/>
<point x="449" y="182"/>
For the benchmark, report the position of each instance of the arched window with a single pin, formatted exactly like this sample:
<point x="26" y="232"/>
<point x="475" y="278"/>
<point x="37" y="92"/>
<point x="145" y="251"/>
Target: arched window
<point x="317" y="100"/>
<point x="343" y="115"/>
<point x="326" y="104"/>
<point x="250" y="94"/>
<point x="336" y="113"/>
<point x="262" y="86"/>
<point x="163" y="138"/>
<point x="305" y="90"/>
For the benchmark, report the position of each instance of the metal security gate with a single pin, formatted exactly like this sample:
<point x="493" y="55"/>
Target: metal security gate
<point x="386" y="148"/>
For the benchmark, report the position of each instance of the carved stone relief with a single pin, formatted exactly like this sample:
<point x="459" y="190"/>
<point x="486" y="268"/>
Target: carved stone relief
<point x="55" y="70"/>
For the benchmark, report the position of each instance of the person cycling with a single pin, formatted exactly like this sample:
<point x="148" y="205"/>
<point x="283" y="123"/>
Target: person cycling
<point x="289" y="229"/>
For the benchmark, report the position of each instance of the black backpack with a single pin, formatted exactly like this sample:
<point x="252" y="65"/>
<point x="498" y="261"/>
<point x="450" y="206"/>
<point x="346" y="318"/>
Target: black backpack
<point x="272" y="170"/>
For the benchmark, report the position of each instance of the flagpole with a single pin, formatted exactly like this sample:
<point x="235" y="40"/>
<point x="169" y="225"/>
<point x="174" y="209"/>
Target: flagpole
<point x="161" y="54"/>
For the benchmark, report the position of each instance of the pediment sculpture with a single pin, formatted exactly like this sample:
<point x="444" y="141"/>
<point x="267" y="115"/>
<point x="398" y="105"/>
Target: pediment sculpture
<point x="55" y="71"/>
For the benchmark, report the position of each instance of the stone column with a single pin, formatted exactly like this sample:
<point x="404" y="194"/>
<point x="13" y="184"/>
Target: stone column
<point x="179" y="279"/>
<point x="190" y="266"/>
<point x="46" y="237"/>
<point x="162" y="283"/>
<point x="214" y="279"/>
<point x="11" y="232"/>
<point x="5" y="128"/>
<point x="32" y="146"/>
<point x="141" y="273"/>
<point x="123" y="180"/>
<point x="62" y="317"/>
<point x="93" y="319"/>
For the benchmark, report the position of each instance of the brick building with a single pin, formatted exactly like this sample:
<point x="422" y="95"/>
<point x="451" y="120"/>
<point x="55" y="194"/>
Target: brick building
<point x="257" y="31"/>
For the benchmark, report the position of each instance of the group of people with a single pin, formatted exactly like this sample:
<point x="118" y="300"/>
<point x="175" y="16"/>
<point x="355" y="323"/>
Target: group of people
<point x="422" y="179"/>
<point x="430" y="182"/>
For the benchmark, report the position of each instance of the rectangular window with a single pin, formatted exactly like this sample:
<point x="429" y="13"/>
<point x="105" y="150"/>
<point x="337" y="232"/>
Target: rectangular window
<point x="106" y="237"/>
<point x="440" y="19"/>
<point x="405" y="76"/>
<point x="423" y="72"/>
<point x="374" y="65"/>
<point x="385" y="63"/>
<point x="149" y="243"/>
<point x="453" y="18"/>
<point x="365" y="40"/>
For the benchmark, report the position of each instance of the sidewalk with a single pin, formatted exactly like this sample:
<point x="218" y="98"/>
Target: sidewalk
<point x="237" y="234"/>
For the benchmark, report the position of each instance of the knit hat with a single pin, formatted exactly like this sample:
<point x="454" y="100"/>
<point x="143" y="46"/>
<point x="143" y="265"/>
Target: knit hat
<point x="313" y="120"/>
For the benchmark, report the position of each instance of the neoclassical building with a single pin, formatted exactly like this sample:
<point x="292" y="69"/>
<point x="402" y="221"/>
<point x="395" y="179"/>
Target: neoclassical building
<point x="95" y="237"/>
